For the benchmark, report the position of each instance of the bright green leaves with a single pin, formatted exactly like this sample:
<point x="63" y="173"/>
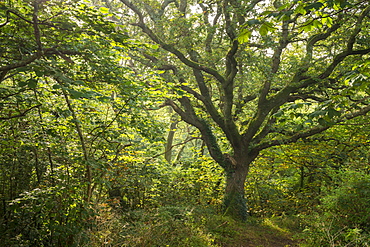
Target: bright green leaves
<point x="311" y="25"/>
<point x="358" y="77"/>
<point x="327" y="20"/>
<point x="263" y="29"/>
<point x="244" y="36"/>
<point x="324" y="116"/>
<point x="300" y="116"/>
<point x="104" y="10"/>
<point x="300" y="10"/>
<point x="307" y="16"/>
<point x="246" y="31"/>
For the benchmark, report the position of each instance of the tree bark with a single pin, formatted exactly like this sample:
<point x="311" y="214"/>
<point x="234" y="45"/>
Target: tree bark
<point x="235" y="204"/>
<point x="170" y="137"/>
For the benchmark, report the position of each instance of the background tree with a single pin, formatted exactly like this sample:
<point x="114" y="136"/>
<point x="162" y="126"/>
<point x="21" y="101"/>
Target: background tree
<point x="261" y="73"/>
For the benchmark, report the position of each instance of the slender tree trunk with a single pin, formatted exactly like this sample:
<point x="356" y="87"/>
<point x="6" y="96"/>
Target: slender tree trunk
<point x="170" y="137"/>
<point x="88" y="172"/>
<point x="37" y="166"/>
<point x="168" y="150"/>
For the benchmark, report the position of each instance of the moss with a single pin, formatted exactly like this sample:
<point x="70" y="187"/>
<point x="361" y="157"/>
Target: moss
<point x="235" y="206"/>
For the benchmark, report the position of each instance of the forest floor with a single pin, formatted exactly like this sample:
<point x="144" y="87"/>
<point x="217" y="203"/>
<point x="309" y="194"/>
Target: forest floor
<point x="179" y="226"/>
<point x="264" y="234"/>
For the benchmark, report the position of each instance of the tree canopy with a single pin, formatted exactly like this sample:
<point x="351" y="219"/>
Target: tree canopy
<point x="141" y="123"/>
<point x="262" y="73"/>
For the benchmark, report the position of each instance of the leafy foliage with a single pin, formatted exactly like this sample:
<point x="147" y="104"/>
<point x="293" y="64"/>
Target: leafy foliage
<point x="343" y="216"/>
<point x="65" y="95"/>
<point x="254" y="75"/>
<point x="272" y="97"/>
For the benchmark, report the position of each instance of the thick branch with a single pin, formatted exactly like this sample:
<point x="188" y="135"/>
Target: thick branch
<point x="211" y="28"/>
<point x="357" y="29"/>
<point x="171" y="48"/>
<point x="312" y="131"/>
<point x="339" y="58"/>
<point x="276" y="59"/>
<point x="228" y="86"/>
<point x="188" y="115"/>
<point x="36" y="29"/>
<point x="310" y="45"/>
<point x="35" y="56"/>
<point x="267" y="128"/>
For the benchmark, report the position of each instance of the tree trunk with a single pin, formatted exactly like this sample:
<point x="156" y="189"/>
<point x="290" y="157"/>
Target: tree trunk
<point x="168" y="150"/>
<point x="234" y="200"/>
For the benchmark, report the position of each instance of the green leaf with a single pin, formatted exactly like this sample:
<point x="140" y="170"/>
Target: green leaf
<point x="267" y="12"/>
<point x="307" y="26"/>
<point x="32" y="83"/>
<point x="22" y="69"/>
<point x="75" y="94"/>
<point x="287" y="15"/>
<point x="315" y="6"/>
<point x="327" y="21"/>
<point x="322" y="121"/>
<point x="317" y="24"/>
<point x="283" y="6"/>
<point x="253" y="22"/>
<point x="264" y="29"/>
<point x="22" y="83"/>
<point x="300" y="10"/>
<point x="104" y="10"/>
<point x="279" y="113"/>
<point x="308" y="122"/>
<point x="244" y="36"/>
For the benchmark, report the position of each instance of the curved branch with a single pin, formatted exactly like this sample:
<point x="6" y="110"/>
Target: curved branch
<point x="312" y="131"/>
<point x="170" y="48"/>
<point x="6" y="20"/>
<point x="35" y="56"/>
<point x="22" y="114"/>
<point x="36" y="29"/>
<point x="188" y="115"/>
<point x="276" y="59"/>
<point x="357" y="29"/>
<point x="339" y="58"/>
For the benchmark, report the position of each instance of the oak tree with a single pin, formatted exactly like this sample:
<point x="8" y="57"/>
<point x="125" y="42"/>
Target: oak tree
<point x="262" y="73"/>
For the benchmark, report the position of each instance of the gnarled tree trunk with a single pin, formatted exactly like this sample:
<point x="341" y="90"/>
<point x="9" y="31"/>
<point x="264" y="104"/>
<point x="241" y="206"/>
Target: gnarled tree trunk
<point x="235" y="204"/>
<point x="237" y="169"/>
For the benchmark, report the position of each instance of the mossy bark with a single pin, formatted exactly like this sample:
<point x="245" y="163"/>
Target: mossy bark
<point x="235" y="204"/>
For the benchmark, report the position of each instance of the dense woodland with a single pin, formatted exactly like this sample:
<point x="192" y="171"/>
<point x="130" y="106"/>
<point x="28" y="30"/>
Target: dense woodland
<point x="184" y="123"/>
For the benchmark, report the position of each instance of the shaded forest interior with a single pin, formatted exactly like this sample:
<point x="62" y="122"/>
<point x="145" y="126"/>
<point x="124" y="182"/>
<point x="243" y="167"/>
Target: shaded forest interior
<point x="184" y="123"/>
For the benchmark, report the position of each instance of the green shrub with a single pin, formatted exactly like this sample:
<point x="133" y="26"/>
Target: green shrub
<point x="343" y="218"/>
<point x="165" y="226"/>
<point x="53" y="216"/>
